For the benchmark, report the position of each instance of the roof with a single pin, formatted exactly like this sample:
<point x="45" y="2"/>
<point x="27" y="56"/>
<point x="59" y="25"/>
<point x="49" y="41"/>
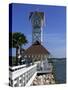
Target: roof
<point x="36" y="49"/>
<point x="36" y="13"/>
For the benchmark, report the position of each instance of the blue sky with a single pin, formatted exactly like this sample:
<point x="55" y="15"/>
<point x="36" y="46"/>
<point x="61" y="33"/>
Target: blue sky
<point x="54" y="27"/>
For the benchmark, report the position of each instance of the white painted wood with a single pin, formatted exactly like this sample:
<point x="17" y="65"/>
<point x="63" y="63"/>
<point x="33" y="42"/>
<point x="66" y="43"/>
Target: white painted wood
<point x="31" y="80"/>
<point x="22" y="76"/>
<point x="17" y="67"/>
<point x="19" y="72"/>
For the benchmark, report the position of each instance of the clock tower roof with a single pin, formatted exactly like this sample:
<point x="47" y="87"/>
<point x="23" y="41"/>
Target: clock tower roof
<point x="41" y="14"/>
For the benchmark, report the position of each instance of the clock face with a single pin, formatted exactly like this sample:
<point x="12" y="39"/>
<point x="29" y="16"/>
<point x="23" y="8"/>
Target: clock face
<point x="37" y="20"/>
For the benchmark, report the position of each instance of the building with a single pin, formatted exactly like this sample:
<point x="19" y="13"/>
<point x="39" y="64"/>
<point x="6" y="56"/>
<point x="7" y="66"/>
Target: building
<point x="36" y="56"/>
<point x="37" y="52"/>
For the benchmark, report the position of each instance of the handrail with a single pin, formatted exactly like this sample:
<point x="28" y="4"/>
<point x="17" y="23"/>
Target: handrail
<point x="16" y="67"/>
<point x="23" y="74"/>
<point x="17" y="73"/>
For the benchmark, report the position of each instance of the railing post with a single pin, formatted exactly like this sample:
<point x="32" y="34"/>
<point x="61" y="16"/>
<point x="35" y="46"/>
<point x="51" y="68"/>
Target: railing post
<point x="22" y="80"/>
<point x="21" y="76"/>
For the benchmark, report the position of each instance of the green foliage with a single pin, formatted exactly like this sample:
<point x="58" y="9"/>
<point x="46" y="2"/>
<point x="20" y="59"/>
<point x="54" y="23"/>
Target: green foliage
<point x="17" y="39"/>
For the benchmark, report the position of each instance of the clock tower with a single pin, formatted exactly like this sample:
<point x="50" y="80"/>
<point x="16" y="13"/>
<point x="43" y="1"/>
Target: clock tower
<point x="37" y="19"/>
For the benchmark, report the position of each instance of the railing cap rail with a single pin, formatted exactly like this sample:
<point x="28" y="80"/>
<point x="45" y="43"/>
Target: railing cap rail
<point x="19" y="72"/>
<point x="16" y="67"/>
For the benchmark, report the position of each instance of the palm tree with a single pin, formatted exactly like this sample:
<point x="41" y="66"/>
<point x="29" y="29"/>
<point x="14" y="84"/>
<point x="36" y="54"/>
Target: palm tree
<point x="18" y="39"/>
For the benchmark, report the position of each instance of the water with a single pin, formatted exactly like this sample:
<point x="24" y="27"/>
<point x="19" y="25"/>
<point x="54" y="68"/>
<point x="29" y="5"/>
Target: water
<point x="60" y="70"/>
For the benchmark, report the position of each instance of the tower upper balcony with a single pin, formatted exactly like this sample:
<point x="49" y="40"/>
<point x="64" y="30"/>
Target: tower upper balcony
<point x="37" y="19"/>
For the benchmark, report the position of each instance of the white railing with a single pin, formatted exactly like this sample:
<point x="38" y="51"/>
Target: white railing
<point x="19" y="76"/>
<point x="17" y="67"/>
<point x="45" y="69"/>
<point x="23" y="75"/>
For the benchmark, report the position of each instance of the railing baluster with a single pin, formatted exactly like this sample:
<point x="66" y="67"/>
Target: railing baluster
<point x="21" y="76"/>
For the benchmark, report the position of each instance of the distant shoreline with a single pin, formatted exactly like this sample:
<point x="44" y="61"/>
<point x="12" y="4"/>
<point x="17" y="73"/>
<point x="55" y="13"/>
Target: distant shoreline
<point x="57" y="58"/>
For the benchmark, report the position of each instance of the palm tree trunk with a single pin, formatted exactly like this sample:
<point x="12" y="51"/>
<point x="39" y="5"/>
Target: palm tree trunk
<point x="17" y="61"/>
<point x="20" y="53"/>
